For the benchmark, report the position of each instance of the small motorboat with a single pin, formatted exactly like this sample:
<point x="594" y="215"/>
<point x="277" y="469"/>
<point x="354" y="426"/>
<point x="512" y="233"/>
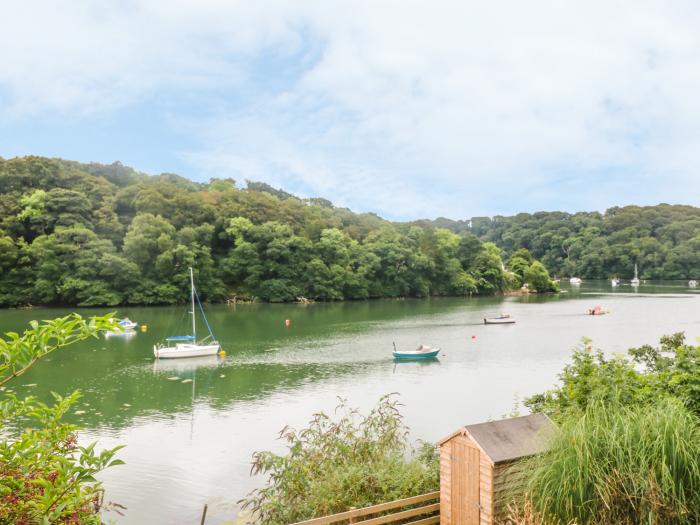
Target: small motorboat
<point x="692" y="283"/>
<point x="597" y="310"/>
<point x="501" y="319"/>
<point x="127" y="327"/>
<point x="127" y="324"/>
<point x="422" y="352"/>
<point x="615" y="282"/>
<point x="575" y="281"/>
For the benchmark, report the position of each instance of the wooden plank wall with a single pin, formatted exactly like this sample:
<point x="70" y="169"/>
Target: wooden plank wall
<point x="486" y="496"/>
<point x="472" y="474"/>
<point x="498" y="484"/>
<point x="446" y="483"/>
<point x="460" y="485"/>
<point x="508" y="484"/>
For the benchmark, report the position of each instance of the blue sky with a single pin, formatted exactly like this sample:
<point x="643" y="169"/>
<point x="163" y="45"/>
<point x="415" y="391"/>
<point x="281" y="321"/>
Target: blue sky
<point x="407" y="109"/>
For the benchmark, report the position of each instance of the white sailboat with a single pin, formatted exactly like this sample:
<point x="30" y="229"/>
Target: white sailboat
<point x="635" y="281"/>
<point x="187" y="345"/>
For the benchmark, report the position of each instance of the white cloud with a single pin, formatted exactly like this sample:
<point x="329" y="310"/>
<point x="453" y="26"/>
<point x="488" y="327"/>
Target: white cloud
<point x="412" y="108"/>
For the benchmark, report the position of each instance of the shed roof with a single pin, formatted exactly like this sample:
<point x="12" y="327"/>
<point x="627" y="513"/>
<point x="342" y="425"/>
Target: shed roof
<point x="513" y="438"/>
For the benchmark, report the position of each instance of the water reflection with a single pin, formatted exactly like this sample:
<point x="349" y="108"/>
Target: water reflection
<point x="412" y="363"/>
<point x="125" y="335"/>
<point x="188" y="365"/>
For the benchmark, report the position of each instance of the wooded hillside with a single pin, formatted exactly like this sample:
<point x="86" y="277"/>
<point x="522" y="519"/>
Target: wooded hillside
<point x="92" y="234"/>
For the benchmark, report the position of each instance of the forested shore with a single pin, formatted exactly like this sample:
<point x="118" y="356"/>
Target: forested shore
<point x="91" y="234"/>
<point x="663" y="240"/>
<point x="94" y="234"/>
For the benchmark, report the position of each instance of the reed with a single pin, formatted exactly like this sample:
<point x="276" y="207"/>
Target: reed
<point x="624" y="465"/>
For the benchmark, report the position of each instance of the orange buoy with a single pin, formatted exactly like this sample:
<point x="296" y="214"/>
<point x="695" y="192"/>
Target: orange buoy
<point x="287" y="322"/>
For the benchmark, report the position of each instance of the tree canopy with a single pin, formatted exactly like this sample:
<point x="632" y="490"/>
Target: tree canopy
<point x="91" y="234"/>
<point x="663" y="240"/>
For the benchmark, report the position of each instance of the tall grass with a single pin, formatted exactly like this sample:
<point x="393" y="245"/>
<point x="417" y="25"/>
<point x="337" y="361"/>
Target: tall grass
<point x="615" y="464"/>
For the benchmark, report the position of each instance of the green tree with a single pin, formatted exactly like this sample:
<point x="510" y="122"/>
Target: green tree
<point x="488" y="270"/>
<point x="538" y="278"/>
<point x="68" y="268"/>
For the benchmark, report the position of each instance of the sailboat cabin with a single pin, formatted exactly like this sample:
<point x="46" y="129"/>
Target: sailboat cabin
<point x="479" y="467"/>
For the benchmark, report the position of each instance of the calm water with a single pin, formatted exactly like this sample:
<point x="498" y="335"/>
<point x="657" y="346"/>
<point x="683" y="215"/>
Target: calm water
<point x="190" y="426"/>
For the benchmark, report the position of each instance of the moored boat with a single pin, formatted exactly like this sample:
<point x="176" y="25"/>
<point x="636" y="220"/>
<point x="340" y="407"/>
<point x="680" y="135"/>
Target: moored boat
<point x="187" y="345"/>
<point x="692" y="283"/>
<point x="422" y="352"/>
<point x="575" y="281"/>
<point x="597" y="310"/>
<point x="127" y="328"/>
<point x="615" y="282"/>
<point x="635" y="280"/>
<point x="501" y="319"/>
<point x="127" y="324"/>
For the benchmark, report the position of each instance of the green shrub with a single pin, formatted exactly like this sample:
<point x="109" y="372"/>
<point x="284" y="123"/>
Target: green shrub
<point x="648" y="374"/>
<point x="45" y="476"/>
<point x="332" y="465"/>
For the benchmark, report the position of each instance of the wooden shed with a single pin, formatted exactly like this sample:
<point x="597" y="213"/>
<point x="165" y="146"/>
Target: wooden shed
<point x="478" y="465"/>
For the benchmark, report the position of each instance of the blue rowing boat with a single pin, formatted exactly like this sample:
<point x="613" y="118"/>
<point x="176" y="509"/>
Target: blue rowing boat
<point x="422" y="352"/>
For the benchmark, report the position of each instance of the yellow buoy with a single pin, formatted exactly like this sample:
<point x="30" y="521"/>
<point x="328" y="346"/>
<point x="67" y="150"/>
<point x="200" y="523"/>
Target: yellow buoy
<point x="144" y="327"/>
<point x="222" y="353"/>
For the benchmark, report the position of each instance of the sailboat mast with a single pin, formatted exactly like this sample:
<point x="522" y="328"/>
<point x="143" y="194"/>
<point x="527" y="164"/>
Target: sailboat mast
<point x="194" y="327"/>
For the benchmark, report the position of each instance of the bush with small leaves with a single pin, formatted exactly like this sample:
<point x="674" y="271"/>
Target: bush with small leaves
<point x="352" y="460"/>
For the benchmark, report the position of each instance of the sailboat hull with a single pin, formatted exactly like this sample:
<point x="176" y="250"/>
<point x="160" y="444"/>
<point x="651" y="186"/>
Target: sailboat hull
<point x="186" y="350"/>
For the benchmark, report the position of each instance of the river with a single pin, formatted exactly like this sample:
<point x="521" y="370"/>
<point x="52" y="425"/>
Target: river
<point x="190" y="427"/>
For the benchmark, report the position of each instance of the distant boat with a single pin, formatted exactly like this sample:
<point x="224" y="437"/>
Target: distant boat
<point x="501" y="319"/>
<point x="575" y="280"/>
<point x="187" y="345"/>
<point x="597" y="310"/>
<point x="127" y="328"/>
<point x="127" y="324"/>
<point x="635" y="280"/>
<point x="692" y="283"/>
<point x="422" y="352"/>
<point x="615" y="282"/>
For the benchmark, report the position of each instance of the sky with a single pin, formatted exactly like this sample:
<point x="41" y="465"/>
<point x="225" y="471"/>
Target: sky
<point x="409" y="109"/>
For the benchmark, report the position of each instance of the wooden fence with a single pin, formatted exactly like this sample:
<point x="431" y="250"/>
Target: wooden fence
<point x="363" y="516"/>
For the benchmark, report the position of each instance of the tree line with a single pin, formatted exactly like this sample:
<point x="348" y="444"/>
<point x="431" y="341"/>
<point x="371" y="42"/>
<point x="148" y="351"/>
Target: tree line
<point x="663" y="240"/>
<point x="94" y="234"/>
